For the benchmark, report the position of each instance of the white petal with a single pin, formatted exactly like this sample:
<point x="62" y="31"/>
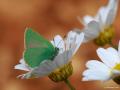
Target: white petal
<point x="23" y="76"/>
<point x="87" y="19"/>
<point x="108" y="12"/>
<point x="22" y="61"/>
<point x="78" y="41"/>
<point x="91" y="31"/>
<point x="44" y="69"/>
<point x="74" y="40"/>
<point x="63" y="58"/>
<point x="96" y="74"/>
<point x="103" y="11"/>
<point x="21" y="67"/>
<point x="101" y="23"/>
<point x="113" y="7"/>
<point x="59" y="43"/>
<point x="70" y="39"/>
<point x="108" y="57"/>
<point x="94" y="64"/>
<point x="114" y="53"/>
<point x="96" y="71"/>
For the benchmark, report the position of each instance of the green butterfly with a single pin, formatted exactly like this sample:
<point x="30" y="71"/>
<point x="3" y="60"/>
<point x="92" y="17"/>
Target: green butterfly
<point x="37" y="49"/>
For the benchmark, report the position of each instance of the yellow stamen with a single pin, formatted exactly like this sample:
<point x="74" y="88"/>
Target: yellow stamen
<point x="105" y="37"/>
<point x="117" y="67"/>
<point x="62" y="73"/>
<point x="117" y="78"/>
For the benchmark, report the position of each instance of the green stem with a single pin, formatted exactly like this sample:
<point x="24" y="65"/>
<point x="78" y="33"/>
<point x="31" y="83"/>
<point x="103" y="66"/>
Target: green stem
<point x="69" y="84"/>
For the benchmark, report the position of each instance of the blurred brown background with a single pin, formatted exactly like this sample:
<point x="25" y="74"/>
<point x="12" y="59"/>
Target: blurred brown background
<point x="48" y="17"/>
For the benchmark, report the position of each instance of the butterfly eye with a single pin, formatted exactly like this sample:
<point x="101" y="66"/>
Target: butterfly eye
<point x="57" y="49"/>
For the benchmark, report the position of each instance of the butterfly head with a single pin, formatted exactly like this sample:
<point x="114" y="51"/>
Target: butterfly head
<point x="56" y="53"/>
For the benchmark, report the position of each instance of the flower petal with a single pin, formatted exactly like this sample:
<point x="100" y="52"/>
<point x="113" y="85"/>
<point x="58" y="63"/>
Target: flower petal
<point x="103" y="11"/>
<point x="96" y="75"/>
<point x="113" y="7"/>
<point x="114" y="54"/>
<point x="96" y="71"/>
<point x="94" y="64"/>
<point x="108" y="12"/>
<point x="22" y="66"/>
<point x="63" y="58"/>
<point x="59" y="43"/>
<point x="87" y="19"/>
<point x="109" y="56"/>
<point x="44" y="69"/>
<point x="91" y="31"/>
<point x="74" y="40"/>
<point x="22" y="61"/>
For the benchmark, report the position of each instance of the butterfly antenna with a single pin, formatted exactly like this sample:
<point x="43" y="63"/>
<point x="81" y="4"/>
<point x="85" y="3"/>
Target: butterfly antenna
<point x="54" y="41"/>
<point x="59" y="42"/>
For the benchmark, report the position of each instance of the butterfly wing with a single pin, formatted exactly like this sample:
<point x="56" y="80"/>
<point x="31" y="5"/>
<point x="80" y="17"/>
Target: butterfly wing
<point x="38" y="48"/>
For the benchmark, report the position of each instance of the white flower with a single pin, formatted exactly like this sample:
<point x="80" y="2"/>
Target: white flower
<point x="67" y="49"/>
<point x="101" y="22"/>
<point x="108" y="69"/>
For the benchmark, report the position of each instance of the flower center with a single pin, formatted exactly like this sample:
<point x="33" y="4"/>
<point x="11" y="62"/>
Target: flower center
<point x="117" y="67"/>
<point x="117" y="77"/>
<point x="62" y="73"/>
<point x="105" y="37"/>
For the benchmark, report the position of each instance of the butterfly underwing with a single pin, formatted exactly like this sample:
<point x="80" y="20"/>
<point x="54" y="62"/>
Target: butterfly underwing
<point x="37" y="49"/>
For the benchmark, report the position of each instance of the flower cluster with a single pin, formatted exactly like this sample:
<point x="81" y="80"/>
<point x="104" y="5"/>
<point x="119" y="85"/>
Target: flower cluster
<point x="52" y="58"/>
<point x="100" y="28"/>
